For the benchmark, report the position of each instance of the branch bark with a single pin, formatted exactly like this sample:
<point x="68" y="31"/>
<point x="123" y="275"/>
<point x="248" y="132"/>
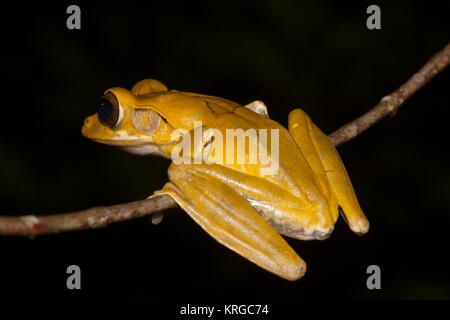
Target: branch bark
<point x="92" y="218"/>
<point x="97" y="217"/>
<point x="391" y="103"/>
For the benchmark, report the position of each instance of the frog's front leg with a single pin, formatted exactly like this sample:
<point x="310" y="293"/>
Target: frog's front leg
<point x="326" y="163"/>
<point x="258" y="107"/>
<point x="231" y="220"/>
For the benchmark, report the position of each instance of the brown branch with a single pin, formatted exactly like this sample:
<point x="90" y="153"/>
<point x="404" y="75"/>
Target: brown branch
<point x="86" y="219"/>
<point x="102" y="216"/>
<point x="392" y="102"/>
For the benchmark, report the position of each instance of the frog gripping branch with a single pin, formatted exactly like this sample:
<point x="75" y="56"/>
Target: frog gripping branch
<point x="240" y="206"/>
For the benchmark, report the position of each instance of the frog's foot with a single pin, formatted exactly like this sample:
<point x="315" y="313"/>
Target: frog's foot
<point x="317" y="148"/>
<point x="258" y="107"/>
<point x="225" y="215"/>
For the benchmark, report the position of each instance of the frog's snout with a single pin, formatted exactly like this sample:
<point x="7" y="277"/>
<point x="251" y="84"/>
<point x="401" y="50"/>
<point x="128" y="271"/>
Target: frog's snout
<point x="85" y="124"/>
<point x="88" y="125"/>
<point x="84" y="129"/>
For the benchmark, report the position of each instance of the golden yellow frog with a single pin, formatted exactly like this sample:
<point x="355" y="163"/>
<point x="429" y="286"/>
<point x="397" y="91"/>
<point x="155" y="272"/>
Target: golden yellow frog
<point x="241" y="205"/>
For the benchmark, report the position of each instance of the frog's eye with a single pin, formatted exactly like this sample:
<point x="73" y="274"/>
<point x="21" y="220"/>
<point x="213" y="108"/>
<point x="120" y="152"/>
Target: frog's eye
<point x="109" y="111"/>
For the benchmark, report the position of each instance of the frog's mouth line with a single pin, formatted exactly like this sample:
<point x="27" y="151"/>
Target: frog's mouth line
<point x="123" y="142"/>
<point x="135" y="142"/>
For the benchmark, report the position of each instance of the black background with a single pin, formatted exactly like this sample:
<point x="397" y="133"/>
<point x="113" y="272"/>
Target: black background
<point x="315" y="55"/>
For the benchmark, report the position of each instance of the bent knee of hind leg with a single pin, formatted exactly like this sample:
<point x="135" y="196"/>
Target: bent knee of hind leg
<point x="326" y="220"/>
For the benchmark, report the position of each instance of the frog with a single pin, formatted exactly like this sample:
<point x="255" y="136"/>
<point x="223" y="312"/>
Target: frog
<point x="243" y="207"/>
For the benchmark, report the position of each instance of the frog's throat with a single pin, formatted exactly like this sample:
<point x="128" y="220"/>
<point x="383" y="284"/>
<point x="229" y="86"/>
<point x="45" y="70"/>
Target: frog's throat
<point x="142" y="147"/>
<point x="145" y="150"/>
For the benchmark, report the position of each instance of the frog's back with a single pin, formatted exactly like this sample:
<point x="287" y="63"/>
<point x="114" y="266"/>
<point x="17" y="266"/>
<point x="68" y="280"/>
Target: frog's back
<point x="292" y="189"/>
<point x="293" y="172"/>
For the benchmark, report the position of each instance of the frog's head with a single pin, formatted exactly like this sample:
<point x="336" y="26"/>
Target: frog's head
<point x="142" y="120"/>
<point x="126" y="119"/>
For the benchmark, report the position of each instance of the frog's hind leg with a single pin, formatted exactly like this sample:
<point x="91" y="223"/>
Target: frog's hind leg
<point x="316" y="145"/>
<point x="232" y="221"/>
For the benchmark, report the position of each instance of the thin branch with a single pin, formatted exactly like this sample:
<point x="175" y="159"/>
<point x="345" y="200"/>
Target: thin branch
<point x="392" y="102"/>
<point x="97" y="217"/>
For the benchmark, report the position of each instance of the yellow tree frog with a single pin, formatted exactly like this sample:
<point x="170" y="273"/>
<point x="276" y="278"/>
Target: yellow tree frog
<point x="239" y="204"/>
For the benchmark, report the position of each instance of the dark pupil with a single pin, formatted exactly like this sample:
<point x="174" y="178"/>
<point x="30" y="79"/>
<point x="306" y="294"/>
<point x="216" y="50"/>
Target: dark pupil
<point x="105" y="109"/>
